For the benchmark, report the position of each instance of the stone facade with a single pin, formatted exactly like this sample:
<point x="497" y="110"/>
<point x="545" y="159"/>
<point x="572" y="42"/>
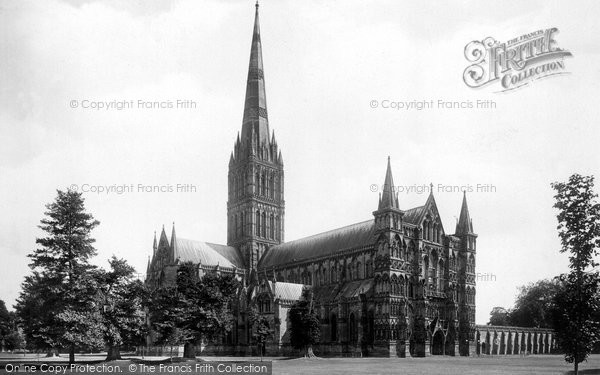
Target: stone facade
<point x="397" y="284"/>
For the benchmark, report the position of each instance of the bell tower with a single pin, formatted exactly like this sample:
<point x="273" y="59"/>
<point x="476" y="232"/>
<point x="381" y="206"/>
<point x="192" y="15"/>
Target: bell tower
<point x="255" y="206"/>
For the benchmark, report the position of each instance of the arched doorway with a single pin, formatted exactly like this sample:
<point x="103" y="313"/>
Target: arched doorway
<point x="333" y="323"/>
<point x="352" y="333"/>
<point x="437" y="343"/>
<point x="370" y="327"/>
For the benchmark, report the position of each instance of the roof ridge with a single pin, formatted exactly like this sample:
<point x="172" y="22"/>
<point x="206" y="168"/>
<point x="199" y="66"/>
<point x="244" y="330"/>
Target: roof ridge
<point x="331" y="230"/>
<point x="208" y="243"/>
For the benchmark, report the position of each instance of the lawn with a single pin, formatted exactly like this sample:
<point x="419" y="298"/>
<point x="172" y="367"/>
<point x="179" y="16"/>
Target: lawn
<point x="536" y="364"/>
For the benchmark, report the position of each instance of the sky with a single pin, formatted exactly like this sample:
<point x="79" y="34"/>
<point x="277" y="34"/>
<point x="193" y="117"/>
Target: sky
<point x="326" y="64"/>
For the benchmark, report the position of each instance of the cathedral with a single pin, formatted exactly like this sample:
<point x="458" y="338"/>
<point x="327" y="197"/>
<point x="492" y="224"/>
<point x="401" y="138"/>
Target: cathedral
<point x="396" y="285"/>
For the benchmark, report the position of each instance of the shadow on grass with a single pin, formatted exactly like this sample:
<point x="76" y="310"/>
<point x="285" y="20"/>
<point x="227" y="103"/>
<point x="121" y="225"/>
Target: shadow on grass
<point x="159" y="361"/>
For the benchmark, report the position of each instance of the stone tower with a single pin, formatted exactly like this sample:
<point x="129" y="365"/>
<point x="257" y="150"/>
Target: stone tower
<point x="466" y="280"/>
<point x="255" y="207"/>
<point x="389" y="321"/>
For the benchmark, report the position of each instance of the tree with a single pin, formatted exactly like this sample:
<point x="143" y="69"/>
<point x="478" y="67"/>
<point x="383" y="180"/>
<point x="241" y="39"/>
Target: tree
<point x="498" y="317"/>
<point x="57" y="304"/>
<point x="261" y="329"/>
<point x="534" y="304"/>
<point x="305" y="327"/>
<point x="165" y="316"/>
<point x="575" y="318"/>
<point x="122" y="298"/>
<point x="14" y="340"/>
<point x="194" y="309"/>
<point x="576" y="325"/>
<point x="5" y="324"/>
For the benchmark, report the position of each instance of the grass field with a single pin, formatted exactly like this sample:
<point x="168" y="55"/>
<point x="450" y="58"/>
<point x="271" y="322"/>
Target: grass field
<point x="542" y="364"/>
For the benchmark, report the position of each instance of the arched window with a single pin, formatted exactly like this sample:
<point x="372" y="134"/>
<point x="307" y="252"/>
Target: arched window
<point x="263" y="228"/>
<point x="257" y="184"/>
<point x="243" y="223"/>
<point x="471" y="264"/>
<point x="257" y="223"/>
<point x="440" y="276"/>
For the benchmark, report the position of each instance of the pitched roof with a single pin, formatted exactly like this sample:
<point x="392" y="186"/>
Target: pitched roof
<point x="286" y="291"/>
<point x="351" y="236"/>
<point x="207" y="253"/>
<point x="354" y="288"/>
<point x="413" y="215"/>
<point x="346" y="290"/>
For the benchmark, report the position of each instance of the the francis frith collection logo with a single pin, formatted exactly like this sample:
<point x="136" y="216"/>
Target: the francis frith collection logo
<point x="515" y="63"/>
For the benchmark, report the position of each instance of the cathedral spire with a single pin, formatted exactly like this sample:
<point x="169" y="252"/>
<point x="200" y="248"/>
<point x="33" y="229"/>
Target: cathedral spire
<point x="173" y="237"/>
<point x="465" y="224"/>
<point x="255" y="106"/>
<point x="154" y="245"/>
<point x="388" y="198"/>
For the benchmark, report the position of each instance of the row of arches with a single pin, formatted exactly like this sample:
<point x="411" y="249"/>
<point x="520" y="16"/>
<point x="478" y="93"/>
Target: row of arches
<point x="433" y="272"/>
<point x="400" y="285"/>
<point x="469" y="296"/>
<point x="471" y="263"/>
<point x="266" y="225"/>
<point x="266" y="183"/>
<point x="513" y="341"/>
<point x="352" y="328"/>
<point x="432" y="230"/>
<point x="330" y="272"/>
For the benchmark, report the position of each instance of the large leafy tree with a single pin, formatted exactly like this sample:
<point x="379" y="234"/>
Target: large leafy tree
<point x="122" y="298"/>
<point x="193" y="309"/>
<point x="165" y="316"/>
<point x="10" y="335"/>
<point x="576" y="324"/>
<point x="57" y="304"/>
<point x="498" y="316"/>
<point x="261" y="328"/>
<point x="534" y="304"/>
<point x="5" y="324"/>
<point x="305" y="327"/>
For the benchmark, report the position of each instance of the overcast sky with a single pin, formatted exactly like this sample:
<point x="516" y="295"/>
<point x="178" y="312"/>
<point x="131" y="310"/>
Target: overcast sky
<point x="325" y="62"/>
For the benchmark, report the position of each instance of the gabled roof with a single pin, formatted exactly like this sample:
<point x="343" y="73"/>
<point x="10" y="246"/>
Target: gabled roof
<point x="355" y="288"/>
<point x="416" y="215"/>
<point x="207" y="253"/>
<point x="346" y="290"/>
<point x="327" y="243"/>
<point x="286" y="291"/>
<point x="413" y="215"/>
